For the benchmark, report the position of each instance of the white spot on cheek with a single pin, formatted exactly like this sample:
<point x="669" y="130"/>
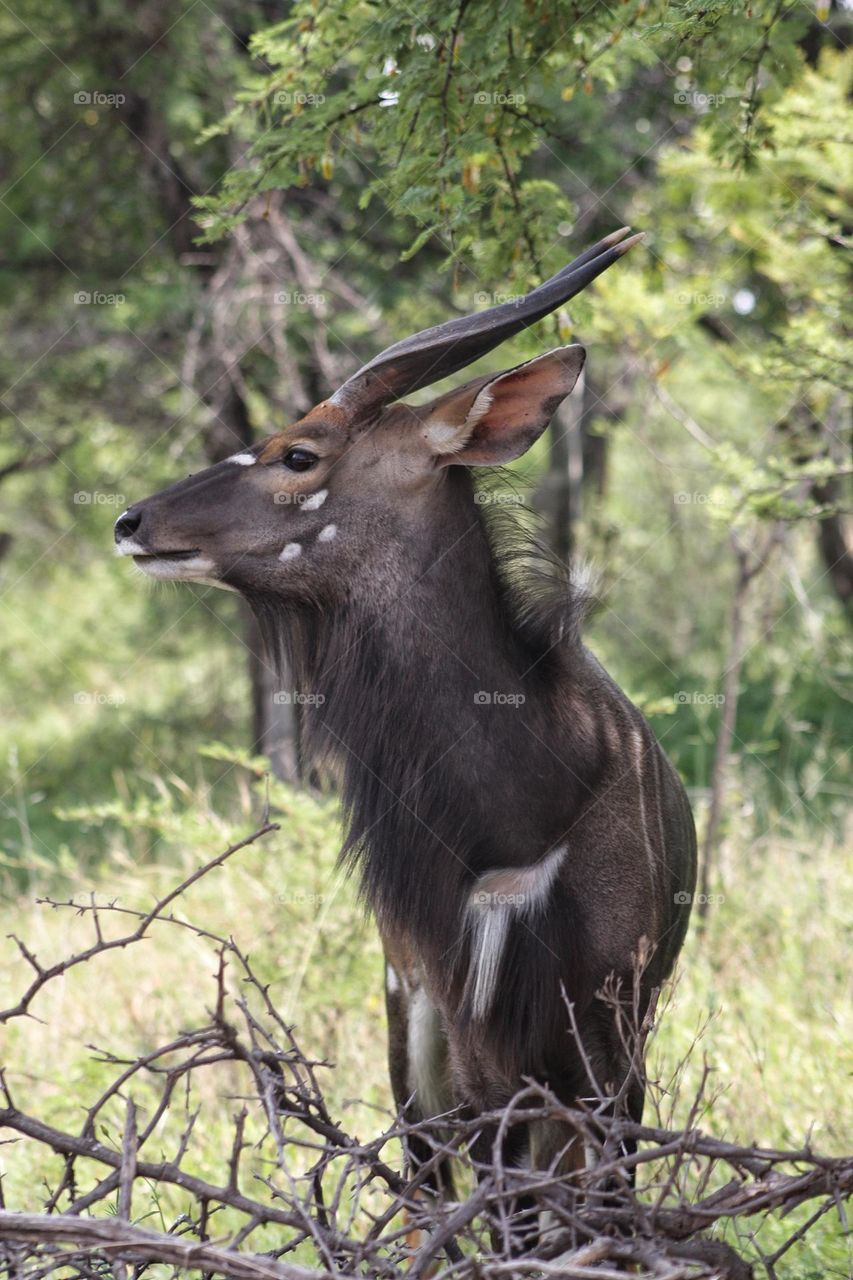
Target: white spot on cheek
<point x="291" y="551"/>
<point x="242" y="459"/>
<point x="315" y="500"/>
<point x="326" y="535"/>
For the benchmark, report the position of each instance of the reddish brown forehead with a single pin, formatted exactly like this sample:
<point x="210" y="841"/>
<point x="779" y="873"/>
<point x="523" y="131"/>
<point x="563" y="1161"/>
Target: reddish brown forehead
<point x="325" y="422"/>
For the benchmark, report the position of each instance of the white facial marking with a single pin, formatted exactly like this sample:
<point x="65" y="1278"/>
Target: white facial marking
<point x="315" y="500"/>
<point x="392" y="982"/>
<point x="242" y="459"/>
<point x="496" y="899"/>
<point x="291" y="551"/>
<point x="326" y="535"/>
<point x="177" y="570"/>
<point x="129" y="547"/>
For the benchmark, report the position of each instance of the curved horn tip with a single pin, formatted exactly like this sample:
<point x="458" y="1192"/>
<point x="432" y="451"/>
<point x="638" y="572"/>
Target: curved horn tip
<point x="614" y="237"/>
<point x="628" y="244"/>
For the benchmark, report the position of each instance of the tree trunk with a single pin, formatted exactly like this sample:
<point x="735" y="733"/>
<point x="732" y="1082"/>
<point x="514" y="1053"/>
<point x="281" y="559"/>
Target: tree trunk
<point x="560" y="494"/>
<point x="726" y="730"/>
<point x="275" y="722"/>
<point x="833" y="534"/>
<point x="749" y="565"/>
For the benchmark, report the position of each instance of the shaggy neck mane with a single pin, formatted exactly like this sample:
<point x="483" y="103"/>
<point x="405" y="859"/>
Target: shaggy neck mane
<point x="448" y="711"/>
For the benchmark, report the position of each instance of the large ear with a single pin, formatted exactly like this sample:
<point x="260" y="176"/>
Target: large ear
<point x="496" y="419"/>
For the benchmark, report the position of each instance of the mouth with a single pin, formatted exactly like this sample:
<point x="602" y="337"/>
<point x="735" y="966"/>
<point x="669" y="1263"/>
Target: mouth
<point x="165" y="555"/>
<point x="181" y="563"/>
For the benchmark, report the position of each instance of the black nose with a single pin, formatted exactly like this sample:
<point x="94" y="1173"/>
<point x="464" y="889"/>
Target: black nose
<point x="127" y="525"/>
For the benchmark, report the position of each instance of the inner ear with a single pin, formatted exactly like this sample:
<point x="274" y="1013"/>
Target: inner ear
<point x="496" y="418"/>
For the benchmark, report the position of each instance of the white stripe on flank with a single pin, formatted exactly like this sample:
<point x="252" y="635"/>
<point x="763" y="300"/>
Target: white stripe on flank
<point x="242" y="459"/>
<point x="639" y="751"/>
<point x="497" y="898"/>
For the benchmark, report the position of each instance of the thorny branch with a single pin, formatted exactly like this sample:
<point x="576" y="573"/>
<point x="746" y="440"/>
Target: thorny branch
<point x="293" y="1178"/>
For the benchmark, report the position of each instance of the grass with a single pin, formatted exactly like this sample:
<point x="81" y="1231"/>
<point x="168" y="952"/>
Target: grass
<point x="762" y="993"/>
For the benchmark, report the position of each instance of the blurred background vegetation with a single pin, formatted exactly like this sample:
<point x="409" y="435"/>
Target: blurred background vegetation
<point x="212" y="213"/>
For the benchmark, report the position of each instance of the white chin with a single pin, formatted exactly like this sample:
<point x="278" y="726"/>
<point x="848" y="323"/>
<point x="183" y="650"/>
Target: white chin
<point x="193" y="569"/>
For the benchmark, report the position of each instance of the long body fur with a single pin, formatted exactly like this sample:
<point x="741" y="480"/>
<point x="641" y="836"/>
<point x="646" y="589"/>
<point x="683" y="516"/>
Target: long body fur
<point x="441" y="788"/>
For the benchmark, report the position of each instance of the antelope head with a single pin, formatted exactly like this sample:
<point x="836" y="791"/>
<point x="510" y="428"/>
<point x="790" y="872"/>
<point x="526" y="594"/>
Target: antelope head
<point x="336" y="497"/>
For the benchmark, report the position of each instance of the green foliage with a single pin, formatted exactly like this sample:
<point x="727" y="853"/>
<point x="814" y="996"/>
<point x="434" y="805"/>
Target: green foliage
<point x="449" y="119"/>
<point x="428" y="160"/>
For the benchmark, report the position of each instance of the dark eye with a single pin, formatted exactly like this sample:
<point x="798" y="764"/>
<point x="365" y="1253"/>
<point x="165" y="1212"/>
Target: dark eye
<point x="299" y="459"/>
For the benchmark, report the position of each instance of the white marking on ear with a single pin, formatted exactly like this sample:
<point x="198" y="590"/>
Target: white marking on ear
<point x="446" y="437"/>
<point x="451" y="437"/>
<point x="326" y="535"/>
<point x="315" y="500"/>
<point x="426" y="1047"/>
<point x="497" y="898"/>
<point x="482" y="403"/>
<point x="291" y="551"/>
<point x="242" y="459"/>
